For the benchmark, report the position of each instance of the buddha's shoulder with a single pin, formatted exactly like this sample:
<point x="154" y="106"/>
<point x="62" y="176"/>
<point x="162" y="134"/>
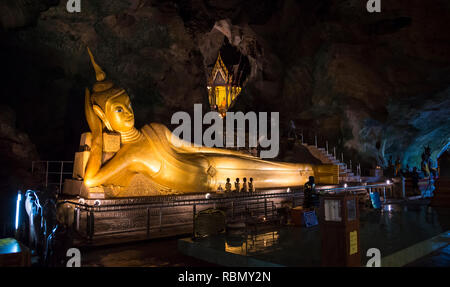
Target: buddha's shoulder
<point x="155" y="128"/>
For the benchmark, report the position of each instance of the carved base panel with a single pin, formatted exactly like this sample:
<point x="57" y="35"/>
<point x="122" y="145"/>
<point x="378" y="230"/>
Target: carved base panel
<point x="136" y="218"/>
<point x="139" y="186"/>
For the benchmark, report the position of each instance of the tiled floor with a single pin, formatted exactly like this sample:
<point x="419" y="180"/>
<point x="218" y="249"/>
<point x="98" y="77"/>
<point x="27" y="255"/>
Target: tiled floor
<point x="392" y="229"/>
<point x="151" y="253"/>
<point x="439" y="258"/>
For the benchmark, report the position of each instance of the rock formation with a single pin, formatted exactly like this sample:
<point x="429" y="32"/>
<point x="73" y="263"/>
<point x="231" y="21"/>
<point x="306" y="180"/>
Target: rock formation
<point x="370" y="83"/>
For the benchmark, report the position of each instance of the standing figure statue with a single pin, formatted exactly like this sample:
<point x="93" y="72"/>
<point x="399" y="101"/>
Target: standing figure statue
<point x="390" y="168"/>
<point x="426" y="164"/>
<point x="292" y="132"/>
<point x="415" y="181"/>
<point x="398" y="167"/>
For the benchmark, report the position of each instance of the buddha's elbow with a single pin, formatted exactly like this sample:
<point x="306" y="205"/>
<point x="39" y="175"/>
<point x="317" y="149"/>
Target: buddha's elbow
<point x="89" y="182"/>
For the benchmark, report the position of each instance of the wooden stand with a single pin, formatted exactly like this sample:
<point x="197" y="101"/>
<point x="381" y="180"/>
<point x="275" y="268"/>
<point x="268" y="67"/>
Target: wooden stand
<point x="297" y="216"/>
<point x="339" y="224"/>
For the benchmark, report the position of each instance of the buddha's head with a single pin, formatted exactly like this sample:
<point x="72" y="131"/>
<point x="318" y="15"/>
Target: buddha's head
<point x="111" y="104"/>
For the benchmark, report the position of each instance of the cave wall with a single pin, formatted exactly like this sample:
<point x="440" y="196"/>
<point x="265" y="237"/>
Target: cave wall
<point x="375" y="85"/>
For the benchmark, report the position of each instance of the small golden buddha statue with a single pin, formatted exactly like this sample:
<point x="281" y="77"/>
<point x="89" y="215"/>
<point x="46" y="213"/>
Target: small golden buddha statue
<point x="148" y="162"/>
<point x="250" y="185"/>
<point x="228" y="185"/>
<point x="244" y="185"/>
<point x="237" y="185"/>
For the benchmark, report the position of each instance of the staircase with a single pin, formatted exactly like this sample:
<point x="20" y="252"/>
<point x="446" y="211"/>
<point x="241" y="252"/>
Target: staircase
<point x="345" y="174"/>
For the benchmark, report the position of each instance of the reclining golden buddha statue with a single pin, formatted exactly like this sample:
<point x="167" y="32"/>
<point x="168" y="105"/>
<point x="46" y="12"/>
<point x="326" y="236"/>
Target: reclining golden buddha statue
<point x="150" y="162"/>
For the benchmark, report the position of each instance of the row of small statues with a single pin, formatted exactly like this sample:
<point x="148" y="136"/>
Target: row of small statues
<point x="426" y="166"/>
<point x="246" y="187"/>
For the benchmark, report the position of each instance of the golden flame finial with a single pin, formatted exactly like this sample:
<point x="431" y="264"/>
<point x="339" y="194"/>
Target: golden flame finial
<point x="99" y="74"/>
<point x="102" y="85"/>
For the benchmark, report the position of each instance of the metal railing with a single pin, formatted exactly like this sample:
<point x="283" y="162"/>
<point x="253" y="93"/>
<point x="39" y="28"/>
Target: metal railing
<point x="312" y="138"/>
<point x="52" y="173"/>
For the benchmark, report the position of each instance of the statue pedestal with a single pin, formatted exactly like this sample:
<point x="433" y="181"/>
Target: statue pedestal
<point x="113" y="220"/>
<point x="376" y="172"/>
<point x="77" y="188"/>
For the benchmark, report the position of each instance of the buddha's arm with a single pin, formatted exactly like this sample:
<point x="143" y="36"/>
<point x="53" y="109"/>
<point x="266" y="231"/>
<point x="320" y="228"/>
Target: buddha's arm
<point x="130" y="159"/>
<point x="114" y="167"/>
<point x="95" y="158"/>
<point x="183" y="146"/>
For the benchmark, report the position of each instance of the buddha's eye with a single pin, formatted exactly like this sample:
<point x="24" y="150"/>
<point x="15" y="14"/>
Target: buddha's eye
<point x="119" y="110"/>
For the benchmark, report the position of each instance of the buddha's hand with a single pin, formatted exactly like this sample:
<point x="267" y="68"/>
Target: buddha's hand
<point x="93" y="120"/>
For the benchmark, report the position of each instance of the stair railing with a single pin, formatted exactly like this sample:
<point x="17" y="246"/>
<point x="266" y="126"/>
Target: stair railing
<point x="335" y="154"/>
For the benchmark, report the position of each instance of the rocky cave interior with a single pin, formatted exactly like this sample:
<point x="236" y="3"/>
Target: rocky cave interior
<point x="372" y="84"/>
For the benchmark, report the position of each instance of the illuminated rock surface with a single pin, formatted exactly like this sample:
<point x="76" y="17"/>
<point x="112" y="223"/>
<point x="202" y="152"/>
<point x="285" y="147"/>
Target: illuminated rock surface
<point x="16" y="152"/>
<point x="371" y="79"/>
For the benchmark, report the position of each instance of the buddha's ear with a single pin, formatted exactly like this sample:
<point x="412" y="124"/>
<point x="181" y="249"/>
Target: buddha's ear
<point x="98" y="111"/>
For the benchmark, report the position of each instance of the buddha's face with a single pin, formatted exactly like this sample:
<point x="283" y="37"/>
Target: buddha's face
<point x="119" y="113"/>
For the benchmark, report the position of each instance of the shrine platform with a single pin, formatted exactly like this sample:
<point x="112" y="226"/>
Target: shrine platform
<point x="403" y="232"/>
<point x="109" y="221"/>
